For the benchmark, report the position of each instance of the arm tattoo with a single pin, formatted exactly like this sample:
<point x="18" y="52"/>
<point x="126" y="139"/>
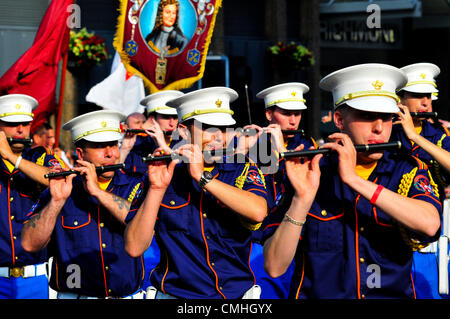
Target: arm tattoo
<point x="32" y="221"/>
<point x="121" y="203"/>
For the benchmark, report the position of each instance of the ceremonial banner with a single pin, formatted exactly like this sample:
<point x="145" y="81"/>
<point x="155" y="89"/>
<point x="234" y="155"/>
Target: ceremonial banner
<point x="166" y="42"/>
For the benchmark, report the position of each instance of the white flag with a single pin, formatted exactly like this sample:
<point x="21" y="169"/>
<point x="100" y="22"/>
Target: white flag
<point x="118" y="91"/>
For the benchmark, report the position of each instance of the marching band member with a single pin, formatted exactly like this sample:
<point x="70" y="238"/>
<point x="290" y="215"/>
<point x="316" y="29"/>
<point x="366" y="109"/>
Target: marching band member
<point x="82" y="217"/>
<point x="430" y="142"/>
<point x="354" y="216"/>
<point x="23" y="275"/>
<point x="161" y="128"/>
<point x="284" y="107"/>
<point x="206" y="208"/>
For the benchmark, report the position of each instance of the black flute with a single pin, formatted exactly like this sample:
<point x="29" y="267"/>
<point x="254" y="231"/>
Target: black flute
<point x="24" y="141"/>
<point x="359" y="148"/>
<point x="426" y="115"/>
<point x="137" y="131"/>
<point x="250" y="131"/>
<point x="98" y="169"/>
<point x="173" y="156"/>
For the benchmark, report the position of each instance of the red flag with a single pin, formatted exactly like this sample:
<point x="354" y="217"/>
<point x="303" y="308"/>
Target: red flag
<point x="35" y="72"/>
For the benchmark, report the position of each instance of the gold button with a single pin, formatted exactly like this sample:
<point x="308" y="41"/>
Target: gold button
<point x="324" y="212"/>
<point x="212" y="264"/>
<point x="104" y="245"/>
<point x="11" y="179"/>
<point x="172" y="202"/>
<point x="17" y="258"/>
<point x="75" y="223"/>
<point x="204" y="215"/>
<point x="102" y="225"/>
<point x="220" y="288"/>
<point x="12" y="217"/>
<point x="363" y="296"/>
<point x="362" y="260"/>
<point x="11" y="199"/>
<point x="14" y="237"/>
<point x="106" y="268"/>
<point x="361" y="229"/>
<point x="207" y="237"/>
<point x="109" y="291"/>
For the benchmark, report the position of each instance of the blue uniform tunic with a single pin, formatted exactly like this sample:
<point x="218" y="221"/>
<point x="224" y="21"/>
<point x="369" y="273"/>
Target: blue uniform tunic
<point x="425" y="265"/>
<point x="17" y="195"/>
<point x="348" y="247"/>
<point x="87" y="239"/>
<point x="205" y="247"/>
<point x="277" y="184"/>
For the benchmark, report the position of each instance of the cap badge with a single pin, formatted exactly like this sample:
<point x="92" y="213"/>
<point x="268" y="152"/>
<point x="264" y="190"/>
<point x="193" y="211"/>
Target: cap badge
<point x="294" y="93"/>
<point x="377" y="85"/>
<point x="18" y="106"/>
<point x="219" y="103"/>
<point x="103" y="124"/>
<point x="423" y="75"/>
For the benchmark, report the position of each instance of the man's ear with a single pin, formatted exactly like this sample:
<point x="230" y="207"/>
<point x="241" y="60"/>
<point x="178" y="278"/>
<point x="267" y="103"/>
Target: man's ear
<point x="80" y="153"/>
<point x="269" y="115"/>
<point x="338" y="120"/>
<point x="184" y="132"/>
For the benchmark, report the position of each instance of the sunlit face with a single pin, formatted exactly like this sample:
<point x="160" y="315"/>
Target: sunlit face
<point x="417" y="102"/>
<point x="207" y="137"/>
<point x="50" y="139"/>
<point x="101" y="154"/>
<point x="365" y="128"/>
<point x="167" y="123"/>
<point x="136" y="121"/>
<point x="169" y="15"/>
<point x="16" y="130"/>
<point x="287" y="119"/>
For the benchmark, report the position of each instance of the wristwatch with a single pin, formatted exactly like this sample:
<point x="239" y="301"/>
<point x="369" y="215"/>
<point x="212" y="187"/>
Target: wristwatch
<point x="205" y="179"/>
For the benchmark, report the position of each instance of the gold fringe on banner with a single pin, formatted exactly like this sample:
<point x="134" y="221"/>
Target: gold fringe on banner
<point x="177" y="85"/>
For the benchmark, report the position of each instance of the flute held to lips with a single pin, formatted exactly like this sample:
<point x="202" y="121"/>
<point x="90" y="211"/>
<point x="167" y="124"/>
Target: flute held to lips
<point x="173" y="156"/>
<point x="141" y="131"/>
<point x="24" y="141"/>
<point x="359" y="148"/>
<point x="425" y="115"/>
<point x="98" y="169"/>
<point x="251" y="131"/>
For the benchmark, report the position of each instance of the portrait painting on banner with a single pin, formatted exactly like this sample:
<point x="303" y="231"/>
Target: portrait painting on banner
<point x="166" y="41"/>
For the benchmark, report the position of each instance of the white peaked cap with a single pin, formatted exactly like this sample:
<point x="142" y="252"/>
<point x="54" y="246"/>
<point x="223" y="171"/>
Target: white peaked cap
<point x="367" y="87"/>
<point x="17" y="108"/>
<point x="156" y="102"/>
<point x="97" y="126"/>
<point x="288" y="96"/>
<point x="209" y="106"/>
<point x="421" y="78"/>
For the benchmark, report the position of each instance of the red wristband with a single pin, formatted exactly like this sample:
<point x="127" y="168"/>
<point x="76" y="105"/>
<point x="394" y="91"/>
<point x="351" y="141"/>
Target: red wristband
<point x="376" y="194"/>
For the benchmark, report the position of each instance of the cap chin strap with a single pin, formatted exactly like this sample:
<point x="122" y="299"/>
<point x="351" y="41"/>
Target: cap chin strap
<point x="286" y="100"/>
<point x="206" y="111"/>
<point x="421" y="82"/>
<point x="355" y="95"/>
<point x="118" y="130"/>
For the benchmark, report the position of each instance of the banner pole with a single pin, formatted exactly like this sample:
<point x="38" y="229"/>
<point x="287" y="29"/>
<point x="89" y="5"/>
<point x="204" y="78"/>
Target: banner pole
<point x="61" y="99"/>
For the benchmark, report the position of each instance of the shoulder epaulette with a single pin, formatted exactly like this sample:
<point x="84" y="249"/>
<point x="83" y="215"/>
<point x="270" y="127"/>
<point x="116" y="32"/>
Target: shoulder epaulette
<point x="403" y="189"/>
<point x="40" y="161"/>
<point x="133" y="192"/>
<point x="239" y="183"/>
